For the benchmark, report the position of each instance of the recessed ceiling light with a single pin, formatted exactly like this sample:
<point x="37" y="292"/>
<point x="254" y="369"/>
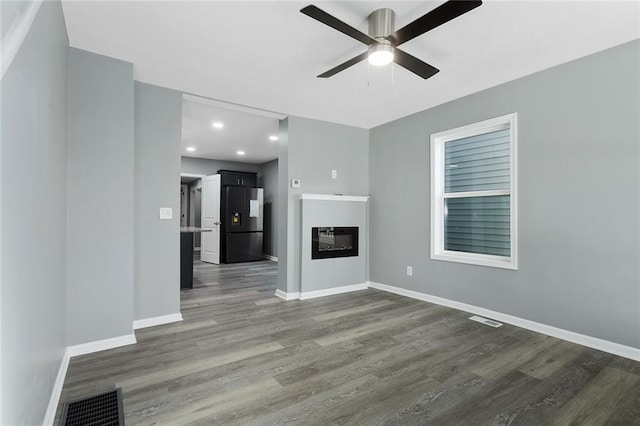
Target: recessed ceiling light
<point x="191" y="148"/>
<point x="273" y="138"/>
<point x="218" y="125"/>
<point x="240" y="152"/>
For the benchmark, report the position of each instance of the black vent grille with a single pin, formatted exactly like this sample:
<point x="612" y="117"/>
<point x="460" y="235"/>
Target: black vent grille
<point x="99" y="410"/>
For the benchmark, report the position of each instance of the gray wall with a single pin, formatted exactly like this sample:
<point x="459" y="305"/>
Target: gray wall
<point x="204" y="166"/>
<point x="314" y="148"/>
<point x="100" y="266"/>
<point x="270" y="185"/>
<point x="158" y="125"/>
<point x="284" y="228"/>
<point x="579" y="212"/>
<point x="34" y="219"/>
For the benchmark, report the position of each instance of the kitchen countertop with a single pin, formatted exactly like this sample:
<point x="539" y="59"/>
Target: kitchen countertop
<point x="188" y="229"/>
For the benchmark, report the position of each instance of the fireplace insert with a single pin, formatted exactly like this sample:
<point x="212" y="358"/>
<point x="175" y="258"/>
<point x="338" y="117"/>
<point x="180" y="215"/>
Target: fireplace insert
<point x="334" y="241"/>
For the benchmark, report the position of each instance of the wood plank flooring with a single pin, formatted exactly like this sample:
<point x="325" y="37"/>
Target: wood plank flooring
<point x="243" y="356"/>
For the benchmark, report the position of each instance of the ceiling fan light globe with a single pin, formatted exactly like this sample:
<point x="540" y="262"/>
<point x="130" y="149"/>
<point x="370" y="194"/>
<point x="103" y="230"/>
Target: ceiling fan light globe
<point x="380" y="55"/>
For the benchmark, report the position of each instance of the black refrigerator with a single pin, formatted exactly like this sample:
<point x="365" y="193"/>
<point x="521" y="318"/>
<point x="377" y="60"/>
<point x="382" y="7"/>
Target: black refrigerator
<point x="241" y="210"/>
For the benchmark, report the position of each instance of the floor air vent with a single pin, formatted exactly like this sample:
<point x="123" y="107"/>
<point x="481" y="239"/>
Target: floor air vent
<point x="98" y="410"/>
<point x="490" y="323"/>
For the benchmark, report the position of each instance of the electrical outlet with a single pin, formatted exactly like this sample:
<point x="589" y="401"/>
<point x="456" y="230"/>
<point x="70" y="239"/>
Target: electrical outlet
<point x="334" y="174"/>
<point x="410" y="271"/>
<point x="166" y="213"/>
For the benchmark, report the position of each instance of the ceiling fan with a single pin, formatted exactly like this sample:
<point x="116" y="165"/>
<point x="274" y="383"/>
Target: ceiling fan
<point x="383" y="41"/>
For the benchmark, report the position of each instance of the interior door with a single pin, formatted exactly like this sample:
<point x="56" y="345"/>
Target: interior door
<point x="210" y="241"/>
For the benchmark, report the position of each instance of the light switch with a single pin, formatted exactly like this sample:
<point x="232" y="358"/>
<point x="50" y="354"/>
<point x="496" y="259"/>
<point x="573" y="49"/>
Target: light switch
<point x="334" y="174"/>
<point x="166" y="213"/>
<point x="295" y="183"/>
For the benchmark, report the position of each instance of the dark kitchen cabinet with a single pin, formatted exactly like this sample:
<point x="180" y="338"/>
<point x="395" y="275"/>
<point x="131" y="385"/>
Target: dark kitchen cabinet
<point x="249" y="179"/>
<point x="186" y="260"/>
<point x="233" y="178"/>
<point x="229" y="178"/>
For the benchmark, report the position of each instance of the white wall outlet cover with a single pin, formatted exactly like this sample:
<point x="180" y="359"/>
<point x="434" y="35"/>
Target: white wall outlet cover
<point x="334" y="174"/>
<point x="166" y="213"/>
<point x="409" y="271"/>
<point x="295" y="183"/>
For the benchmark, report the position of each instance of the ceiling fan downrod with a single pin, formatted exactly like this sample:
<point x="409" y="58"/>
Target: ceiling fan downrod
<point x="381" y="23"/>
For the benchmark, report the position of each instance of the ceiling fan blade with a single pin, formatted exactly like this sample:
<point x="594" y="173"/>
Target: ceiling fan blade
<point x="438" y="16"/>
<point x="322" y="16"/>
<point x="414" y="64"/>
<point x="343" y="66"/>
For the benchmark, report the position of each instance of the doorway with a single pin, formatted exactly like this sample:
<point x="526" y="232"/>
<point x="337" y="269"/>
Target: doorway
<point x="191" y="204"/>
<point x="232" y="138"/>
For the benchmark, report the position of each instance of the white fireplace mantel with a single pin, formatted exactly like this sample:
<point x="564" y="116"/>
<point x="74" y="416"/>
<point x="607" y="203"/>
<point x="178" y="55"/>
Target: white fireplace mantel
<point x="335" y="197"/>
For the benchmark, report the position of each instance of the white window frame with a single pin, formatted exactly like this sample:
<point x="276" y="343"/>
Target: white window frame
<point x="438" y="195"/>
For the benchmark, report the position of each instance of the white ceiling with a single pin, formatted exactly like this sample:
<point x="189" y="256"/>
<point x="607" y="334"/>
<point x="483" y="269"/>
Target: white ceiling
<point x="267" y="54"/>
<point x="245" y="131"/>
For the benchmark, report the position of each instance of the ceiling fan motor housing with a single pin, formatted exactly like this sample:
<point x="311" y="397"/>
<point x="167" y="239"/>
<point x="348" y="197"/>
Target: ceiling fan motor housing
<point x="381" y="23"/>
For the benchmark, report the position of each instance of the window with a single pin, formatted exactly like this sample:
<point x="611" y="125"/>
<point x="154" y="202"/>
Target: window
<point x="473" y="194"/>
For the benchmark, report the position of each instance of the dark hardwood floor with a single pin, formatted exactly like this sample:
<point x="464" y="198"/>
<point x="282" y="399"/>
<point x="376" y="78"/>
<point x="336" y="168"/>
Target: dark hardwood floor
<point x="243" y="356"/>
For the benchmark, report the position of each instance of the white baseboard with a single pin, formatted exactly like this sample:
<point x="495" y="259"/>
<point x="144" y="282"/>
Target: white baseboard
<point x="50" y="415"/>
<point x="76" y="350"/>
<point x="321" y="293"/>
<point x="581" y="339"/>
<point x="101" y="345"/>
<point x="151" y="322"/>
<point x="287" y="296"/>
<point x="269" y="257"/>
<point x="332" y="291"/>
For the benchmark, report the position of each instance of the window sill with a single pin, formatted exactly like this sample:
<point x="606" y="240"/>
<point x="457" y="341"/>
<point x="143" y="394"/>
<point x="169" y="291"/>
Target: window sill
<point x="477" y="259"/>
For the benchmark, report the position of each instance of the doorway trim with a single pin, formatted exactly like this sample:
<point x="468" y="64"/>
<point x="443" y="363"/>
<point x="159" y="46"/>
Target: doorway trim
<point x="193" y="175"/>
<point x="233" y="107"/>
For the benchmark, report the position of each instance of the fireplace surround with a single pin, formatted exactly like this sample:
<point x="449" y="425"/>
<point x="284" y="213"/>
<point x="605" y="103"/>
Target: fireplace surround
<point x="331" y="215"/>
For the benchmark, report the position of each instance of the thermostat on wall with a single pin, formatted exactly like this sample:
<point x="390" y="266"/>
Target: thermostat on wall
<point x="295" y="183"/>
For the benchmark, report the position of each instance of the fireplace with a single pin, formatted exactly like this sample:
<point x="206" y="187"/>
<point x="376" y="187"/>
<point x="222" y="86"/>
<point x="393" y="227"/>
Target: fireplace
<point x="334" y="241"/>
